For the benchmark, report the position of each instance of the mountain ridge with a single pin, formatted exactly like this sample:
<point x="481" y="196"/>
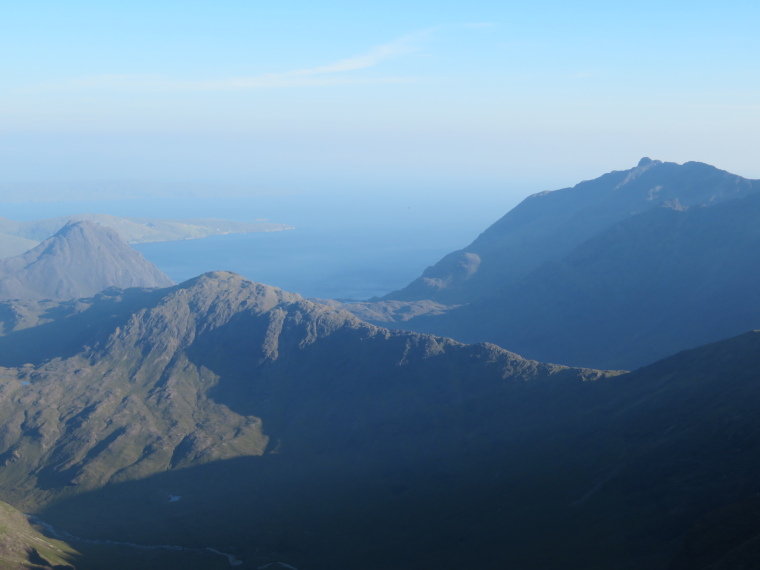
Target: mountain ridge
<point x="300" y="434"/>
<point x="658" y="282"/>
<point x="195" y="344"/>
<point x="547" y="225"/>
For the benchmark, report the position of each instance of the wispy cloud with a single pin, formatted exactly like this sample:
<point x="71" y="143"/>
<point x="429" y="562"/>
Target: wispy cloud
<point x="582" y="75"/>
<point x="373" y="57"/>
<point x="336" y="73"/>
<point x="479" y="25"/>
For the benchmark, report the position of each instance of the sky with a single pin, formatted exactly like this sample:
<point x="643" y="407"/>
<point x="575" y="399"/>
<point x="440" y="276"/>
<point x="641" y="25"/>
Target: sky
<point x="469" y="98"/>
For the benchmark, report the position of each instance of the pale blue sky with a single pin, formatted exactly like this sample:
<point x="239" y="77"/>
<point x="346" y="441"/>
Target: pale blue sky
<point x="442" y="96"/>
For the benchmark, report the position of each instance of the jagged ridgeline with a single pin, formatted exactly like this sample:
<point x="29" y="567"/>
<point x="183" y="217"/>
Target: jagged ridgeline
<point x="227" y="415"/>
<point x="228" y="374"/>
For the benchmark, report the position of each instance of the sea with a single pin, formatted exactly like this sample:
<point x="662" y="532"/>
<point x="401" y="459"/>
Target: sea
<point x="342" y="247"/>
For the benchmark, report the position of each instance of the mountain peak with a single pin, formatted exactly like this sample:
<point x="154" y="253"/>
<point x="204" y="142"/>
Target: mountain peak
<point x="548" y="225"/>
<point x="80" y="260"/>
<point x="79" y="224"/>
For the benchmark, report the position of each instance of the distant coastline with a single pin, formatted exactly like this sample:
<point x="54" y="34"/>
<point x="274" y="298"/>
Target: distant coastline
<point x="17" y="237"/>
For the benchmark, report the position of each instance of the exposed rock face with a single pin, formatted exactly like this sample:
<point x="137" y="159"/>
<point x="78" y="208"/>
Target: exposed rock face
<point x="547" y="226"/>
<point x="82" y="259"/>
<point x="145" y="382"/>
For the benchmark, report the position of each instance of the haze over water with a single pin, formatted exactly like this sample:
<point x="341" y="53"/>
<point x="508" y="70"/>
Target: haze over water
<point x="446" y="102"/>
<point x="344" y="247"/>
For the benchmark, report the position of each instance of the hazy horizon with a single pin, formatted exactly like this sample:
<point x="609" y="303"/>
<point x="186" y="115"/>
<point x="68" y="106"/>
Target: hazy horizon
<point x="425" y="120"/>
<point x="430" y="98"/>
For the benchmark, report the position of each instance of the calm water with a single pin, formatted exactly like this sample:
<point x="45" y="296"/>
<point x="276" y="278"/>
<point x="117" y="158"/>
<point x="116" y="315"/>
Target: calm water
<point x="317" y="262"/>
<point x="347" y="247"/>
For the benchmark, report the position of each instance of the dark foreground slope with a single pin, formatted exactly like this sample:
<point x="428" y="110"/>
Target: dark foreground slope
<point x="220" y="368"/>
<point x="226" y="414"/>
<point x="82" y="259"/>
<point x="549" y="225"/>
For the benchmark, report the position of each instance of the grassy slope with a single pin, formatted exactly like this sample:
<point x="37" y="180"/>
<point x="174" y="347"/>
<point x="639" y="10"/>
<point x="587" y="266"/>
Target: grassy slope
<point x="22" y="547"/>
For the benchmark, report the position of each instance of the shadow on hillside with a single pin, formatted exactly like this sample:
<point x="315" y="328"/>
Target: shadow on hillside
<point x="330" y="511"/>
<point x="75" y="325"/>
<point x="610" y="474"/>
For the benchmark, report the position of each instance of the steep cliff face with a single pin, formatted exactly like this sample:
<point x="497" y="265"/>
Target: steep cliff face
<point x="82" y="259"/>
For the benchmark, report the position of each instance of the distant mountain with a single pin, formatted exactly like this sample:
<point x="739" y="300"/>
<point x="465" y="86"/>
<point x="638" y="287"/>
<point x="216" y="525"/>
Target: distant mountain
<point x="549" y="225"/>
<point x="613" y="273"/>
<point x="225" y="414"/>
<point x="80" y="260"/>
<point x="17" y="237"/>
<point x="11" y="245"/>
<point x="656" y="283"/>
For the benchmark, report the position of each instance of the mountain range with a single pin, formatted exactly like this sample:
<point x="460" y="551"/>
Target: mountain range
<point x="221" y="368"/>
<point x="549" y="225"/>
<point x="229" y="415"/>
<point x="222" y="422"/>
<point x="615" y="272"/>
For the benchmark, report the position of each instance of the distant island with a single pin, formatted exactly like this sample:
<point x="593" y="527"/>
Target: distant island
<point x="18" y="237"/>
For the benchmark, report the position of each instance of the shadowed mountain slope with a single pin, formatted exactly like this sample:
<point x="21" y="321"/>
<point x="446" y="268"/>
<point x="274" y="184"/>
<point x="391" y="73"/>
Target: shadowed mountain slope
<point x="219" y="367"/>
<point x="547" y="226"/>
<point x="653" y="284"/>
<point x="227" y="414"/>
<point x="82" y="259"/>
<point x="319" y="441"/>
